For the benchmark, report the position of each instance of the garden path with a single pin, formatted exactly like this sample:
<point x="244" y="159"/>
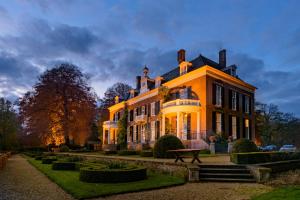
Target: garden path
<point x="21" y="181"/>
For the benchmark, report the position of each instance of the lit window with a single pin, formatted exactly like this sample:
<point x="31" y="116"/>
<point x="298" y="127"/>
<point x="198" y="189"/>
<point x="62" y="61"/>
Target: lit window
<point x="153" y="109"/>
<point x="218" y="123"/>
<point x="247" y="128"/>
<point x="233" y="100"/>
<point x="152" y="130"/>
<point x="218" y="95"/>
<point x="233" y="124"/>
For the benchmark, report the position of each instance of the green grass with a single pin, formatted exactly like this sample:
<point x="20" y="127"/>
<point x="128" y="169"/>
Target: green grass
<point x="69" y="181"/>
<point x="286" y="193"/>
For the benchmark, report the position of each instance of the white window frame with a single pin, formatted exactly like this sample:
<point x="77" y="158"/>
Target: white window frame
<point x="218" y="95"/>
<point x="247" y="104"/>
<point x="218" y="123"/>
<point x="234" y="100"/>
<point x="153" y="130"/>
<point x="153" y="109"/>
<point x="233" y="127"/>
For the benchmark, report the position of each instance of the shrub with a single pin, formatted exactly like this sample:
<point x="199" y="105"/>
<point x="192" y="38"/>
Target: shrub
<point x="244" y="145"/>
<point x="146" y="153"/>
<point x="64" y="148"/>
<point x="102" y="174"/>
<point x="38" y="157"/>
<point x="204" y="151"/>
<point x="108" y="152"/>
<point x="262" y="157"/>
<point x="48" y="160"/>
<point x="126" y="152"/>
<point x="165" y="143"/>
<point x="74" y="159"/>
<point x="62" y="165"/>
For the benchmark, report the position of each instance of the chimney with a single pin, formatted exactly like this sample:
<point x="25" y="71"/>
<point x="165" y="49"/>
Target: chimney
<point x="181" y="56"/>
<point x="222" y="58"/>
<point x="138" y="82"/>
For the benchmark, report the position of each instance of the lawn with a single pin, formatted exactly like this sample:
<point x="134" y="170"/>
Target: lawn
<point x="286" y="193"/>
<point x="69" y="181"/>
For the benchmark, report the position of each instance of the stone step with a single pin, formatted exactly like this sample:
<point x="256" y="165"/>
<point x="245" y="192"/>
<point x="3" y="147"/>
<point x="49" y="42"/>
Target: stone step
<point x="224" y="166"/>
<point x="226" y="175"/>
<point x="235" y="180"/>
<point x="224" y="170"/>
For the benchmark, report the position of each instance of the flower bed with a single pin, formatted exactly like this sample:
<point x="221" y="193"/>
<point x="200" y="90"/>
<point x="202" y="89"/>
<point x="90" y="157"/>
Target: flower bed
<point x="262" y="157"/>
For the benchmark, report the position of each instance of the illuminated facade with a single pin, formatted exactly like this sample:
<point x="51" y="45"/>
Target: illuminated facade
<point x="205" y="98"/>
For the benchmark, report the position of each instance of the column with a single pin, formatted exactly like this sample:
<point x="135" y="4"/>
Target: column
<point x="178" y="125"/>
<point x="198" y="125"/>
<point x="163" y="125"/>
<point x="108" y="136"/>
<point x="103" y="136"/>
<point x="184" y="136"/>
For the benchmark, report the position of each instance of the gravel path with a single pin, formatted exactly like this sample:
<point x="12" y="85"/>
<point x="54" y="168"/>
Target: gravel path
<point x="195" y="191"/>
<point x="21" y="181"/>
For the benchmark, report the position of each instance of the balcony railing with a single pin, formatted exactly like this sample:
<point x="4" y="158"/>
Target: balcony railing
<point x="140" y="118"/>
<point x="182" y="102"/>
<point x="112" y="124"/>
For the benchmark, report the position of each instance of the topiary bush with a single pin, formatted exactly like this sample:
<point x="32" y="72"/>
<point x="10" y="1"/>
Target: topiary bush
<point x="165" y="143"/>
<point x="48" y="160"/>
<point x="64" y="148"/>
<point x="146" y="153"/>
<point x="243" y="146"/>
<point x="62" y="165"/>
<point x="126" y="152"/>
<point x="107" y="174"/>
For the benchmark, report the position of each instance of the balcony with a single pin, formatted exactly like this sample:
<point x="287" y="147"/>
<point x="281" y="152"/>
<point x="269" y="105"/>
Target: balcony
<point x="181" y="102"/>
<point x="110" y="124"/>
<point x="140" y="118"/>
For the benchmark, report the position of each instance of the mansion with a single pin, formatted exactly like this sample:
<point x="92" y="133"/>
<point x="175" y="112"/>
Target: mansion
<point x="195" y="100"/>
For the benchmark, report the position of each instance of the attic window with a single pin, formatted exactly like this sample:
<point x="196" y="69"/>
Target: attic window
<point x="184" y="67"/>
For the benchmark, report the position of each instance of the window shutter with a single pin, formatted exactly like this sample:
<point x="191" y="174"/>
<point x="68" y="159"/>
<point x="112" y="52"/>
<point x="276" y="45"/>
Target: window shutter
<point x="214" y="121"/>
<point x="237" y="101"/>
<point x="250" y="105"/>
<point x="250" y="130"/>
<point x="238" y="128"/>
<point x="214" y="94"/>
<point x="243" y="104"/>
<point x="223" y="123"/>
<point x="223" y="96"/>
<point x="244" y="135"/>
<point x="230" y="125"/>
<point x="230" y="99"/>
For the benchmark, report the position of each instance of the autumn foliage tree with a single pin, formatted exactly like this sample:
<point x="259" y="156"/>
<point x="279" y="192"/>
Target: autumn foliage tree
<point x="61" y="108"/>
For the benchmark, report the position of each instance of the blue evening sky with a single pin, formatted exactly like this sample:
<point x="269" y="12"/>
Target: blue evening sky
<point x="112" y="40"/>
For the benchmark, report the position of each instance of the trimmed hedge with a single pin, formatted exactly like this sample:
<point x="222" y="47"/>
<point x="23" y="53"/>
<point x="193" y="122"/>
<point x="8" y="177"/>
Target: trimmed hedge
<point x="165" y="143"/>
<point x="108" y="152"/>
<point x="244" y="145"/>
<point x="204" y="151"/>
<point x="127" y="152"/>
<point x="262" y="157"/>
<point x="39" y="157"/>
<point x="146" y="153"/>
<point x="61" y="165"/>
<point x="48" y="160"/>
<point x="98" y="174"/>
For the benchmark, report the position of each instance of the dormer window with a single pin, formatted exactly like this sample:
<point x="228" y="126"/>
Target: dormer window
<point x="184" y="67"/>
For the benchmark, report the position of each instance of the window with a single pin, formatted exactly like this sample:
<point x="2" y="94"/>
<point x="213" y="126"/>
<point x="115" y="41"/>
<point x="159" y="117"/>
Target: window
<point x="247" y="128"/>
<point x="153" y="109"/>
<point x="234" y="127"/>
<point x="218" y="95"/>
<point x="233" y="100"/>
<point x="152" y="130"/>
<point x="218" y="123"/>
<point x="143" y="110"/>
<point x="247" y="104"/>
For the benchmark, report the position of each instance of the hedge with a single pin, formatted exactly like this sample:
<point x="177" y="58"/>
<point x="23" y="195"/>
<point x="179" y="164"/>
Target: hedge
<point x="166" y="143"/>
<point x="106" y="175"/>
<point x="108" y="152"/>
<point x="61" y="165"/>
<point x="38" y="157"/>
<point x="262" y="157"/>
<point x="127" y="152"/>
<point x="146" y="153"/>
<point x="244" y="145"/>
<point x="48" y="160"/>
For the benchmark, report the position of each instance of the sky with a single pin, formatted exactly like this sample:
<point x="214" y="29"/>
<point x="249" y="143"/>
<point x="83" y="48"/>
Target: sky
<point x="112" y="40"/>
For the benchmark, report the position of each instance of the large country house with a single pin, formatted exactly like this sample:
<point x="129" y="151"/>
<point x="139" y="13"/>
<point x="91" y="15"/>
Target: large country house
<point x="195" y="100"/>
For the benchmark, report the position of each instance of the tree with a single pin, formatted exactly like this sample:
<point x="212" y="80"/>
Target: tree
<point x="122" y="130"/>
<point x="61" y="108"/>
<point x="118" y="89"/>
<point x="9" y="125"/>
